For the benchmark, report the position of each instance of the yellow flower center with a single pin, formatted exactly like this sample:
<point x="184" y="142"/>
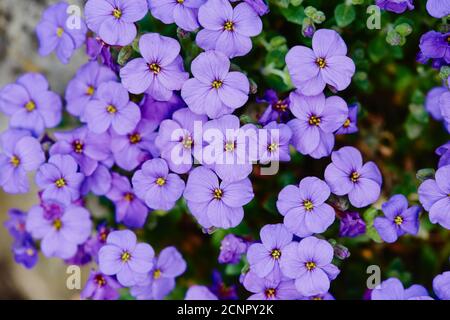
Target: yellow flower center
<point x="317" y="298"/>
<point x="90" y="91"/>
<point x="321" y="63"/>
<point x="308" y="205"/>
<point x="180" y="1"/>
<point x="270" y="293"/>
<point x="111" y="109"/>
<point x="216" y="84"/>
<point x="276" y="254"/>
<point x="218" y="193"/>
<point x="313" y="120"/>
<point x="29" y="252"/>
<point x="280" y="106"/>
<point x="354" y="176"/>
<point x="156" y="274"/>
<point x="272" y="147"/>
<point x="57" y="224"/>
<point x="229" y="146"/>
<point x="134" y="138"/>
<point x="187" y="142"/>
<point x="15" y="161"/>
<point x="59" y="32"/>
<point x="30" y="106"/>
<point x="61" y="182"/>
<point x="310" y="265"/>
<point x="160" y="182"/>
<point x="78" y="146"/>
<point x="128" y="197"/>
<point x="100" y="280"/>
<point x="346" y="123"/>
<point x="229" y="26"/>
<point x="398" y="220"/>
<point x="126" y="256"/>
<point x="155" y="68"/>
<point x="117" y="13"/>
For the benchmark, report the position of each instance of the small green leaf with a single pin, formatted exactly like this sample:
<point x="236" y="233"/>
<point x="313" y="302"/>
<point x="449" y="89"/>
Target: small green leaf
<point x="424" y="174"/>
<point x="294" y="14"/>
<point x="344" y="15"/>
<point x="124" y="54"/>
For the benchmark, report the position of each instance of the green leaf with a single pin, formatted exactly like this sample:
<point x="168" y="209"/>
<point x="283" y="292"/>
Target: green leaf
<point x="344" y="15"/>
<point x="294" y="14"/>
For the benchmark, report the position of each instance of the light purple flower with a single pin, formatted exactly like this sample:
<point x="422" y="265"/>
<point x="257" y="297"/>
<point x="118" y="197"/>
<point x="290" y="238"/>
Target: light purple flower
<point x="261" y="7"/>
<point x="161" y="280"/>
<point x="82" y="88"/>
<point x="177" y="142"/>
<point x="156" y="186"/>
<point x="60" y="180"/>
<point x="434" y="45"/>
<point x="433" y="102"/>
<point x="214" y="90"/>
<point x="231" y="249"/>
<point x="182" y="12"/>
<point x="350" y="124"/>
<point x="61" y="229"/>
<point x="398" y="220"/>
<point x="96" y="48"/>
<point x="444" y="101"/>
<point x="227" y="29"/>
<point x="273" y="288"/>
<point x="433" y="195"/>
<point x="347" y="175"/>
<point x="59" y="32"/>
<point x="100" y="287"/>
<point x="274" y="143"/>
<point x="112" y="108"/>
<point x="30" y="104"/>
<point x="159" y="72"/>
<point x="397" y="6"/>
<point x="304" y="209"/>
<point x="438" y="8"/>
<point x="323" y="296"/>
<point x="21" y="154"/>
<point x="130" y="210"/>
<point x="317" y="118"/>
<point x="392" y="289"/>
<point x="309" y="263"/>
<point x="326" y="63"/>
<point x="216" y="204"/>
<point x="199" y="293"/>
<point x="352" y="225"/>
<point x="124" y="257"/>
<point x="444" y="153"/>
<point x="264" y="258"/>
<point x="99" y="182"/>
<point x="441" y="285"/>
<point x="113" y="20"/>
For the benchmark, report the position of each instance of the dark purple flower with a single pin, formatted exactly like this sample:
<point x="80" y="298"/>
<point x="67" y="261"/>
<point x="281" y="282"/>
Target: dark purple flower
<point x="214" y="90"/>
<point x="324" y="296"/>
<point x="444" y="153"/>
<point x="392" y="289"/>
<point x="227" y="29"/>
<point x="111" y="108"/>
<point x="124" y="257"/>
<point x="261" y="7"/>
<point x="433" y="102"/>
<point x="161" y="279"/>
<point x="441" y="285"/>
<point x="176" y="139"/>
<point x="57" y="32"/>
<point x="317" y="118"/>
<point x="433" y="195"/>
<point x="96" y="48"/>
<point x="182" y="12"/>
<point x="21" y="154"/>
<point x="199" y="293"/>
<point x="156" y="111"/>
<point x="347" y="175"/>
<point x="273" y="143"/>
<point x="82" y="88"/>
<point x="61" y="229"/>
<point x="444" y="101"/>
<point x="159" y="72"/>
<point x="264" y="257"/>
<point x="113" y="20"/>
<point x="231" y="249"/>
<point x="214" y="204"/>
<point x="397" y="6"/>
<point x="60" y="179"/>
<point x="25" y="252"/>
<point x="130" y="210"/>
<point x="16" y="224"/>
<point x="30" y="104"/>
<point x="95" y="242"/>
<point x="438" y="8"/>
<point x="398" y="220"/>
<point x="81" y="257"/>
<point x="434" y="45"/>
<point x="351" y="225"/>
<point x="326" y="63"/>
<point x="272" y="288"/>
<point x="100" y="287"/>
<point x="277" y="110"/>
<point x="309" y="263"/>
<point x="350" y="124"/>
<point x="156" y="186"/>
<point x="304" y="209"/>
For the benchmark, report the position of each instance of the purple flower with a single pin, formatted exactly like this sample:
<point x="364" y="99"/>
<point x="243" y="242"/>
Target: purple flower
<point x="326" y="63"/>
<point x="176" y="139"/>
<point x="112" y="108"/>
<point x="61" y="229"/>
<point x="316" y="119"/>
<point x="277" y="110"/>
<point x="100" y="287"/>
<point x="350" y="124"/>
<point x="214" y="90"/>
<point x="95" y="242"/>
<point x="434" y="45"/>
<point x="30" y="104"/>
<point x="304" y="209"/>
<point x="124" y="257"/>
<point x="60" y="179"/>
<point x="444" y="153"/>
<point x="199" y="293"/>
<point x="84" y="146"/>
<point x="214" y="204"/>
<point x="347" y="175"/>
<point x="113" y="20"/>
<point x="323" y="296"/>
<point x="433" y="195"/>
<point x="261" y="7"/>
<point x="397" y="6"/>
<point x="156" y="186"/>
<point x="25" y="252"/>
<point x="231" y="249"/>
<point x="438" y="8"/>
<point x="444" y="101"/>
<point x="156" y="111"/>
<point x="59" y="32"/>
<point x="272" y="288"/>
<point x="273" y="143"/>
<point x="159" y="72"/>
<point x="21" y="154"/>
<point x="226" y="29"/>
<point x="351" y="225"/>
<point x="264" y="257"/>
<point x="16" y="224"/>
<point x="309" y="263"/>
<point x="182" y="12"/>
<point x="130" y="210"/>
<point x="97" y="49"/>
<point x="392" y="289"/>
<point x="441" y="285"/>
<point x="99" y="182"/>
<point x="433" y="102"/>
<point x="136" y="147"/>
<point x="82" y="88"/>
<point x="161" y="280"/>
<point x="398" y="220"/>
